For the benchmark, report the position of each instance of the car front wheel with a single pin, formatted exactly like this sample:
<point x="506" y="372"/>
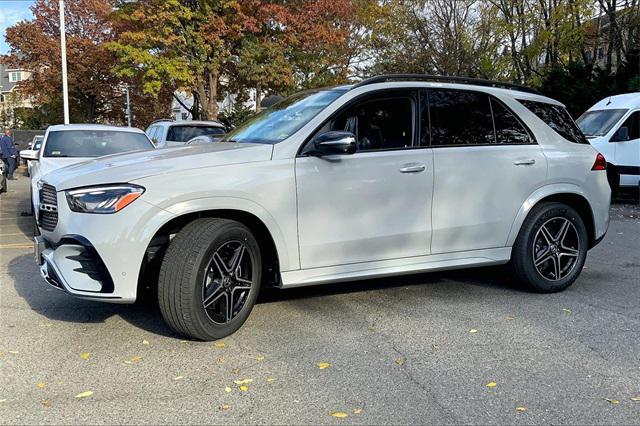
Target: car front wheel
<point x="210" y="278"/>
<point x="551" y="248"/>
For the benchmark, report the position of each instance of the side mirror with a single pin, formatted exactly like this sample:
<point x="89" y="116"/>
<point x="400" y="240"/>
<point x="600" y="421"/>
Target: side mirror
<point x="334" y="143"/>
<point x="29" y="154"/>
<point x="621" y="135"/>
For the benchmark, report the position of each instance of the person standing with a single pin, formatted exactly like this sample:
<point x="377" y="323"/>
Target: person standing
<point x="9" y="153"/>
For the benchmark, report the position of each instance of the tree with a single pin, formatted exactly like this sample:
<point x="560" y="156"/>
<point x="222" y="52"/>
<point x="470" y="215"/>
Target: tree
<point x="94" y="90"/>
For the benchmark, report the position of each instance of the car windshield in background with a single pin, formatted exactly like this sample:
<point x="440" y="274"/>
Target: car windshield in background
<point x="277" y="123"/>
<point x="598" y="123"/>
<point x="186" y="133"/>
<point x="93" y="143"/>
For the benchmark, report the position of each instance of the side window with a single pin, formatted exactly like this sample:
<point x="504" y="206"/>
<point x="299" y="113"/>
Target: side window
<point x="460" y="117"/>
<point x="632" y="123"/>
<point x="558" y="119"/>
<point x="378" y="124"/>
<point x="509" y="129"/>
<point x="151" y="132"/>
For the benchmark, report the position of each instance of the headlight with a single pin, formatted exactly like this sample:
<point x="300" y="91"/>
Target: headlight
<point x="102" y="199"/>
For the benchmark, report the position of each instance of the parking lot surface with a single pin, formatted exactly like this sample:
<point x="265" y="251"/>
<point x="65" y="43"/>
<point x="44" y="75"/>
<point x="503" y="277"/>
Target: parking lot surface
<point x="454" y="347"/>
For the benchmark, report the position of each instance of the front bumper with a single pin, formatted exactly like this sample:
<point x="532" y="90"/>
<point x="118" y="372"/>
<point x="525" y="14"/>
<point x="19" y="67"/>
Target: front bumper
<point x="98" y="256"/>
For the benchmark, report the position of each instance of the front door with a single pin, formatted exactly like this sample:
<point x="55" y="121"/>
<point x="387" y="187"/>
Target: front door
<point x="627" y="152"/>
<point x="374" y="204"/>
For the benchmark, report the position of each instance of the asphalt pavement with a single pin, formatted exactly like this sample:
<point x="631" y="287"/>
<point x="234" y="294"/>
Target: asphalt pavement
<point x="455" y="347"/>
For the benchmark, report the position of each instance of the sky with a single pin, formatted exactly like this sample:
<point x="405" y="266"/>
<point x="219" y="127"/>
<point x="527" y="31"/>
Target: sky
<point x="12" y="11"/>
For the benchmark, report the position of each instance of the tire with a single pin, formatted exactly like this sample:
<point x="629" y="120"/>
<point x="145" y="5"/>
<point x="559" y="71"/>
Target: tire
<point x="542" y="274"/>
<point x="191" y="276"/>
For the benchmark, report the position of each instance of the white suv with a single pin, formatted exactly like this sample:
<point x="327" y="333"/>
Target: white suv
<point x="169" y="133"/>
<point x="394" y="175"/>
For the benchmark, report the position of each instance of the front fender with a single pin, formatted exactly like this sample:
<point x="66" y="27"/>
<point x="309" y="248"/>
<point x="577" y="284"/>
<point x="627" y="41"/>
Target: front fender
<point x="287" y="255"/>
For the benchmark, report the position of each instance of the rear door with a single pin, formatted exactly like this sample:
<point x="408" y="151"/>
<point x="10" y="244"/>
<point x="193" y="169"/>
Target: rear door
<point x="627" y="151"/>
<point x="486" y="163"/>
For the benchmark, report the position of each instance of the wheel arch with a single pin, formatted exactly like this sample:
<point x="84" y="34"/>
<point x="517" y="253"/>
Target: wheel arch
<point x="570" y="194"/>
<point x="154" y="253"/>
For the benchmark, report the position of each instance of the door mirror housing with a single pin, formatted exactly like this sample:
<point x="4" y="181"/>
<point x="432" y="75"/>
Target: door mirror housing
<point x="29" y="154"/>
<point x="621" y="135"/>
<point x="334" y="143"/>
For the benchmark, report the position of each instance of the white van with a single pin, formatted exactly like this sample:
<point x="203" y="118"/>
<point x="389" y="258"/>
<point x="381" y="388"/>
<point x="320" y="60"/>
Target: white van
<point x="612" y="126"/>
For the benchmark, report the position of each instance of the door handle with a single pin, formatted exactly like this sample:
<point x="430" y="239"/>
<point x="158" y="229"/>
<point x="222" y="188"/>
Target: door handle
<point x="412" y="168"/>
<point x="528" y="162"/>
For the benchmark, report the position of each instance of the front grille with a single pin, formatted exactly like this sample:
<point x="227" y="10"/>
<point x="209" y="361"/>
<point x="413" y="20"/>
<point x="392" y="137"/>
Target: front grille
<point x="48" y="214"/>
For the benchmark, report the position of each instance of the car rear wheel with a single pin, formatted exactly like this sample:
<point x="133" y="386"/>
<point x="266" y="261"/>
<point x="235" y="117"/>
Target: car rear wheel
<point x="551" y="249"/>
<point x="210" y="278"/>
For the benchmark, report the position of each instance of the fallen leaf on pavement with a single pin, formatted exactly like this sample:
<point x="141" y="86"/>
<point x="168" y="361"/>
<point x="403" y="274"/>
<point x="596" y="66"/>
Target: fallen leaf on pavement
<point x="13" y="352"/>
<point x="145" y="342"/>
<point x="224" y="407"/>
<point x="84" y="394"/>
<point x="133" y="360"/>
<point x="260" y="358"/>
<point x="221" y="360"/>
<point x="46" y="403"/>
<point x="40" y="385"/>
<point x="178" y="378"/>
<point x="235" y="371"/>
<point x="521" y="409"/>
<point x="243" y="388"/>
<point x="509" y="317"/>
<point x="219" y="345"/>
<point x="635" y="398"/>
<point x="491" y="385"/>
<point x="567" y="310"/>
<point x="2" y="401"/>
<point x="227" y="389"/>
<point x="473" y="330"/>
<point x="399" y="361"/>
<point x="243" y="381"/>
<point x="323" y="365"/>
<point x="339" y="414"/>
<point x="85" y="355"/>
<point x="357" y="410"/>
<point x="270" y="380"/>
<point x="612" y="401"/>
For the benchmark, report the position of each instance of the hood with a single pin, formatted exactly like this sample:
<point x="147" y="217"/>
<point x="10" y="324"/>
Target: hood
<point x="120" y="168"/>
<point x="49" y="164"/>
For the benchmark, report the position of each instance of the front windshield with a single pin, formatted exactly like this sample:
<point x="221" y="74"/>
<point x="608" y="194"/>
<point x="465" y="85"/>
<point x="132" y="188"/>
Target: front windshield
<point x="277" y="123"/>
<point x="598" y="123"/>
<point x="93" y="143"/>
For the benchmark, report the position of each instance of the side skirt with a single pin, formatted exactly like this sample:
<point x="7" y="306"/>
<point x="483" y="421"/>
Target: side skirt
<point x="383" y="268"/>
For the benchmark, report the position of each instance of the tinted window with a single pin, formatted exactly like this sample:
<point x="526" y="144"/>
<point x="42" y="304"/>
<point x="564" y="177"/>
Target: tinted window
<point x="558" y="119"/>
<point x="508" y="128"/>
<point x="93" y="143"/>
<point x="460" y="117"/>
<point x="378" y="123"/>
<point x="598" y="123"/>
<point x="632" y="123"/>
<point x="185" y="133"/>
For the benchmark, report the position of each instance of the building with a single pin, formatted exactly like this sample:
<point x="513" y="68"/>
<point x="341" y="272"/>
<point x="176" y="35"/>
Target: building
<point x="10" y="98"/>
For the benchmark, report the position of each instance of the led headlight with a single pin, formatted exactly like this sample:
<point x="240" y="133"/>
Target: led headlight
<point x="103" y="199"/>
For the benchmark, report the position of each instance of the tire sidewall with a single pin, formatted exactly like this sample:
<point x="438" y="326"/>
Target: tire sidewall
<point x="237" y="232"/>
<point x="537" y="280"/>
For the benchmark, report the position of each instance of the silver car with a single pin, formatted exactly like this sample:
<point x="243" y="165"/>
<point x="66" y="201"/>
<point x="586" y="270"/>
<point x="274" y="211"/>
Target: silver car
<point x="394" y="175"/>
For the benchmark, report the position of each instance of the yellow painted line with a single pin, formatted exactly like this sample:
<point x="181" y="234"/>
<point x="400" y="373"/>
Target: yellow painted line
<point x="20" y="245"/>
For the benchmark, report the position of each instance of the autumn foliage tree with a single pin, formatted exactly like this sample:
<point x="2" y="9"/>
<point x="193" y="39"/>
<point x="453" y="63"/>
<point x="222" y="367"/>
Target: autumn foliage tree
<point x="95" y="91"/>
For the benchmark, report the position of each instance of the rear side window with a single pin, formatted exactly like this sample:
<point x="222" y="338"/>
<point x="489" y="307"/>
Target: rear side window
<point x="186" y="133"/>
<point x="509" y="130"/>
<point x="558" y="119"/>
<point x="460" y="117"/>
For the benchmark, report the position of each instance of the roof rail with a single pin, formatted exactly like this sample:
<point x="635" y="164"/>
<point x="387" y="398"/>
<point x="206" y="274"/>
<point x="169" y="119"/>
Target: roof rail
<point x="444" y="79"/>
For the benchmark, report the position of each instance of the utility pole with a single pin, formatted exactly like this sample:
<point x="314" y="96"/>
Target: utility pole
<point x="63" y="51"/>
<point x="128" y="110"/>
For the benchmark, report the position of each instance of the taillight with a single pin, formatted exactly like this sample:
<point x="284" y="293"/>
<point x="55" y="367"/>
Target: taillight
<point x="600" y="163"/>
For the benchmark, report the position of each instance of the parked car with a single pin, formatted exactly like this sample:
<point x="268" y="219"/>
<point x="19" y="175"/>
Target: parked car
<point x="3" y="177"/>
<point x="205" y="139"/>
<point x="170" y="133"/>
<point x="613" y="128"/>
<point x="64" y="145"/>
<point x="32" y="150"/>
<point x="394" y="175"/>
